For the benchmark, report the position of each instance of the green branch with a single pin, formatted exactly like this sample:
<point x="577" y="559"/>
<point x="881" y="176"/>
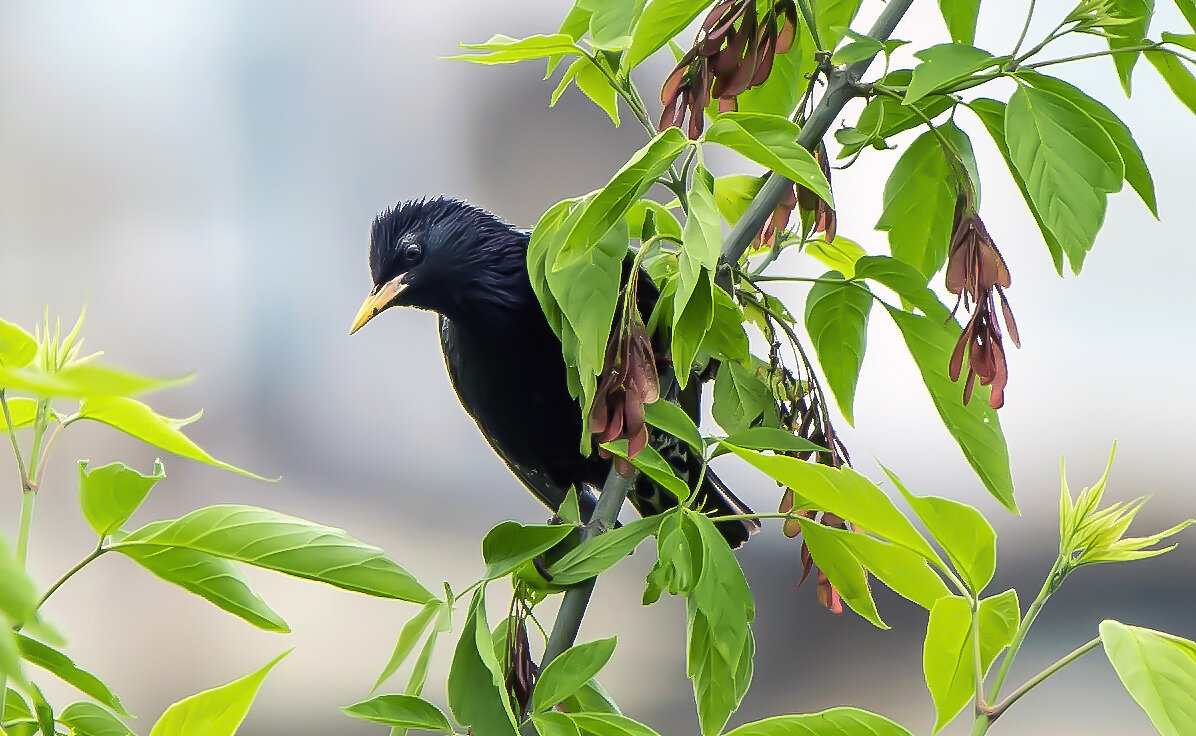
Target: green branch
<point x="1033" y="682"/>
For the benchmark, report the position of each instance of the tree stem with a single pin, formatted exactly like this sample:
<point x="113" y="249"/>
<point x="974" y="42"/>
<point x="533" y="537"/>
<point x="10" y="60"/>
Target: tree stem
<point x="28" y="497"/>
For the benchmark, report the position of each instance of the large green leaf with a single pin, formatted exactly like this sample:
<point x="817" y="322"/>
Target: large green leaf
<point x="597" y="554"/>
<point x="1177" y="76"/>
<point x="502" y="49"/>
<point x="919" y="200"/>
<point x="660" y="22"/>
<point x="138" y="420"/>
<point x="109" y="494"/>
<point x="1137" y="175"/>
<point x="771" y="141"/>
<point x="962" y="531"/>
<point x="740" y="397"/>
<point x="1069" y="165"/>
<point x="286" y="544"/>
<point x="510" y="544"/>
<point x="960" y="17"/>
<point x="948" y="657"/>
<point x="837" y="322"/>
<point x="842" y="568"/>
<point x="974" y="426"/>
<point x="845" y="493"/>
<point x="81" y="380"/>
<point x="400" y="711"/>
<point x="62" y="667"/>
<point x="608" y="724"/>
<point x="1124" y="35"/>
<point x="1158" y="670"/>
<point x="215" y="712"/>
<point x="17" y="347"/>
<point x="476" y="691"/>
<point x="905" y="280"/>
<point x="569" y="671"/>
<point x="89" y="719"/>
<point x="833" y="18"/>
<point x="842" y="721"/>
<point x="840" y="254"/>
<point x="944" y="64"/>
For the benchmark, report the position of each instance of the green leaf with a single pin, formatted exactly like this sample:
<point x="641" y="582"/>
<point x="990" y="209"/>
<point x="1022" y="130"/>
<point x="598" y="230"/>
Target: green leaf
<point x="948" y="657"/>
<point x="886" y="116"/>
<point x="907" y="573"/>
<point x="650" y="462"/>
<point x="663" y="221"/>
<point x="660" y="22"/>
<point x="212" y="578"/>
<point x="842" y="568"/>
<point x="408" y="637"/>
<point x="1123" y="35"/>
<point x="960" y="16"/>
<point x="476" y="691"/>
<point x="17" y="347"/>
<point x="840" y="254"/>
<point x="23" y="412"/>
<point x="919" y="200"/>
<point x="608" y="724"/>
<point x="975" y="426"/>
<point x="285" y="544"/>
<point x="1158" y="670"/>
<point x="89" y="719"/>
<point x="770" y="438"/>
<point x="842" y="721"/>
<point x="400" y="711"/>
<point x="700" y="242"/>
<point x="664" y="414"/>
<point x="18" y="592"/>
<point x="554" y="723"/>
<point x="945" y="64"/>
<point x="837" y="322"/>
<point x="10" y="659"/>
<point x="611" y="22"/>
<point x="1188" y="8"/>
<point x="502" y="49"/>
<point x="771" y="141"/>
<point x="962" y="531"/>
<point x="215" y="712"/>
<point x="109" y="494"/>
<point x="597" y="554"/>
<point x="992" y="114"/>
<point x="845" y="493"/>
<point x="786" y="82"/>
<point x="590" y="697"/>
<point x="905" y="280"/>
<point x="595" y="85"/>
<point x="82" y="380"/>
<point x="1137" y="175"/>
<point x="138" y="420"/>
<point x="833" y="19"/>
<point x="510" y="544"/>
<point x="15" y="707"/>
<point x="740" y="397"/>
<point x="61" y="666"/>
<point x="1068" y="162"/>
<point x="733" y="193"/>
<point x="1176" y="75"/>
<point x="572" y="669"/>
<point x="690" y="325"/>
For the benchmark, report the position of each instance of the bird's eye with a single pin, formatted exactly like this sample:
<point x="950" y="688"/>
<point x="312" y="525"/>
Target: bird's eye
<point x="412" y="252"/>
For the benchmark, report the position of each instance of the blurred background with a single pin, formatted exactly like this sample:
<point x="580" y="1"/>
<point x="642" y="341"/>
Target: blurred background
<point x="202" y="175"/>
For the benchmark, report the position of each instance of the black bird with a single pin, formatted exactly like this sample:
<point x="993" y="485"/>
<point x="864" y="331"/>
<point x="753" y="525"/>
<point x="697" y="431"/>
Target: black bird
<point x="502" y="356"/>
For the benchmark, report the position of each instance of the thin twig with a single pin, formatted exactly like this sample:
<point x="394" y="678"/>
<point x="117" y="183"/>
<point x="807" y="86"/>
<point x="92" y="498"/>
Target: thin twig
<point x="1001" y="707"/>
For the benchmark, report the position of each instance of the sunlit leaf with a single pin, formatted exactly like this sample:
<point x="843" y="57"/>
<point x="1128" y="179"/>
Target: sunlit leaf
<point x="664" y="414"/>
<point x="17" y="347"/>
<point x="771" y="141"/>
<point x="1123" y="35"/>
<point x="960" y="17"/>
<point x="597" y="554"/>
<point x="400" y="711"/>
<point x="841" y="721"/>
<point x="771" y="438"/>
<point x="61" y="666"/>
<point x="502" y="49"/>
<point x="215" y="712"/>
<point x="660" y="22"/>
<point x="510" y="544"/>
<point x="740" y="397"/>
<point x="1158" y="670"/>
<point x="843" y="570"/>
<point x="109" y="494"/>
<point x="408" y="638"/>
<point x="944" y="64"/>
<point x="837" y="322"/>
<point x="89" y="719"/>
<point x="571" y="669"/>
<point x="1177" y="76"/>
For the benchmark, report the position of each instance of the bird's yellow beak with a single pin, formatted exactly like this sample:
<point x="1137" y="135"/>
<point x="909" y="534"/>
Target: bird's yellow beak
<point x="378" y="300"/>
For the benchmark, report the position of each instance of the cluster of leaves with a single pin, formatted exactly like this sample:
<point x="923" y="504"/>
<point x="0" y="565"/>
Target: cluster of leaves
<point x="200" y="552"/>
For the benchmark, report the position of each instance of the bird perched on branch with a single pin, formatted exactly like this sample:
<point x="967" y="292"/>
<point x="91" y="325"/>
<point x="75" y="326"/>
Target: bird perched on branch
<point x="503" y="358"/>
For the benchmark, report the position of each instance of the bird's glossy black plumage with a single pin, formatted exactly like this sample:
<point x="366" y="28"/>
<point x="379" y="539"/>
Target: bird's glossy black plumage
<point x="503" y="359"/>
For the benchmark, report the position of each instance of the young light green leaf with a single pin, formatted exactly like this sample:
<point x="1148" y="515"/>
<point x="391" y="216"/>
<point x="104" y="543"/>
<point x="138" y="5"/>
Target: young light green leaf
<point x="1068" y="162"/>
<point x="17" y="347"/>
<point x="740" y="397"/>
<point x="1188" y="8"/>
<point x="1176" y="75"/>
<point x="611" y="22"/>
<point x="771" y="141"/>
<point x="843" y="570"/>
<point x="948" y="657"/>
<point x="510" y="544"/>
<point x="845" y="493"/>
<point x="964" y="534"/>
<point x="1158" y="670"/>
<point x="946" y="63"/>
<point x="89" y="719"/>
<point x="663" y="221"/>
<point x="1137" y="175"/>
<point x="82" y="380"/>
<point x="61" y="666"/>
<point x="502" y="49"/>
<point x="664" y="414"/>
<point x="650" y="462"/>
<point x="660" y="22"/>
<point x="283" y="543"/>
<point x="840" y="254"/>
<point x="215" y="712"/>
<point x="595" y="85"/>
<point x="15" y="707"/>
<point x="23" y="412"/>
<point x="555" y="723"/>
<point x="960" y="17"/>
<point x="837" y="322"/>
<point x="476" y="691"/>
<point x="212" y="578"/>
<point x="571" y="669"/>
<point x="597" y="554"/>
<point x="109" y="494"/>
<point x="992" y="115"/>
<point x="733" y="193"/>
<point x="1134" y="22"/>
<point x="400" y="711"/>
<point x="842" y="721"/>
<point x="975" y="426"/>
<point x="18" y="592"/>
<point x="770" y="438"/>
<point x="138" y="420"/>
<point x="590" y="698"/>
<point x="408" y="637"/>
<point x="10" y="660"/>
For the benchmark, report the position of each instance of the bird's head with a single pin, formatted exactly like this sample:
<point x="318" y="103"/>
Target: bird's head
<point x="446" y="256"/>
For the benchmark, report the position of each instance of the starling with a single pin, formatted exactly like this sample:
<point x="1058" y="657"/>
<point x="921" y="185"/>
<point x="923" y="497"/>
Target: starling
<point x="504" y="360"/>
